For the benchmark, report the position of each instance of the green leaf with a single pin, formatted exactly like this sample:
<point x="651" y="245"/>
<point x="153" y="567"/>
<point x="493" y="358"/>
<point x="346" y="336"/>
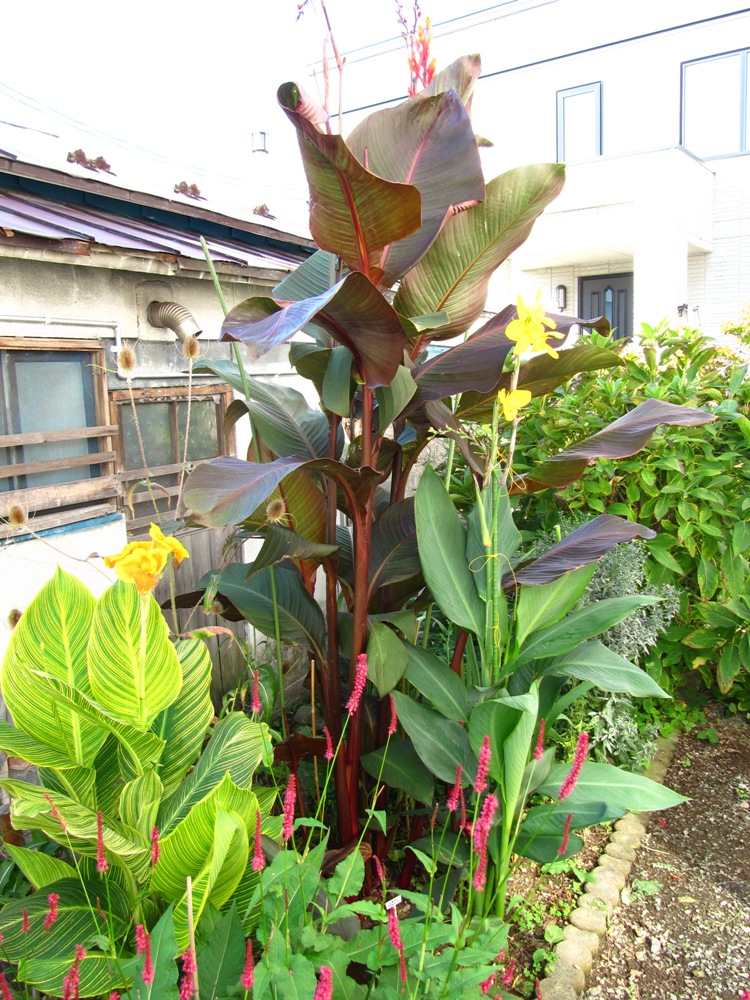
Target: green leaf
<point x="434" y="679"/>
<point x="441" y="743"/>
<point x="393" y="549"/>
<point x="517" y="750"/>
<point x="337" y="382"/>
<point x="133" y="668"/>
<point x="139" y="802"/>
<point x="38" y="868"/>
<point x="664" y="558"/>
<point x="619" y="790"/>
<point x="52" y="636"/>
<point x="281" y="543"/>
<point x="15" y="743"/>
<point x="729" y="666"/>
<point x="164" y="951"/>
<point x="183" y="725"/>
<point x="402" y="768"/>
<point x="454" y="274"/>
<point x="353" y="214"/>
<point x="393" y="399"/>
<point x="97" y="974"/>
<point x="537" y="607"/>
<point x="741" y="537"/>
<point x="442" y="548"/>
<point x="348" y="876"/>
<point x="708" y="577"/>
<point x="287" y="426"/>
<point x="221" y="960"/>
<point x="387" y="657"/>
<point x="311" y="277"/>
<point x="591" y="661"/>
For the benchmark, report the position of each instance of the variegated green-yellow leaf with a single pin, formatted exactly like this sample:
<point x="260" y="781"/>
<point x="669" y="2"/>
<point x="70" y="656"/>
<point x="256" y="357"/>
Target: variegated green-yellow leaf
<point x="139" y="802"/>
<point x="184" y="723"/>
<point x="133" y="667"/>
<point x="97" y="974"/>
<point x="39" y="868"/>
<point x="15" y="743"/>
<point x="235" y="748"/>
<point x="52" y="637"/>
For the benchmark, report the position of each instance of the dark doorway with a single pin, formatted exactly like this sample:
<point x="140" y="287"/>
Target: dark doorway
<point x="609" y="295"/>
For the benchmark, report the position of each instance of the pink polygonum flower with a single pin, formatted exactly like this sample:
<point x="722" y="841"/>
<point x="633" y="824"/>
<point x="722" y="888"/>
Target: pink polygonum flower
<point x="538" y="990"/>
<point x="378" y="868"/>
<point x="454" y="794"/>
<point x="102" y="865"/>
<point x="360" y="679"/>
<point x="324" y="989"/>
<point x="483" y="767"/>
<point x="155" y="848"/>
<point x="289" y="796"/>
<point x="189" y="968"/>
<point x="481" y="835"/>
<point x="566" y="834"/>
<point x="488" y="983"/>
<point x="257" y="705"/>
<point x="5" y="991"/>
<point x="143" y="947"/>
<point x="539" y="752"/>
<point x="72" y="981"/>
<point x="510" y="973"/>
<point x="329" y="744"/>
<point x="248" y="970"/>
<point x="113" y="996"/>
<point x="52" y="913"/>
<point x="582" y="749"/>
<point x="25" y="921"/>
<point x="393" y="724"/>
<point x="55" y="812"/>
<point x="259" y="858"/>
<point x="394" y="933"/>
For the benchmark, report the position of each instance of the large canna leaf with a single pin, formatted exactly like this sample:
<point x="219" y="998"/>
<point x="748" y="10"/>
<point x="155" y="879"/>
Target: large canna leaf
<point x="441" y="743"/>
<point x="133" y="668"/>
<point x="353" y="213"/>
<point x="460" y="76"/>
<point x="15" y="743"/>
<point x="592" y="661"/>
<point x="312" y="277"/>
<point x="221" y="959"/>
<point x="454" y="274"/>
<point x="164" y="951"/>
<point x="300" y="617"/>
<point x="539" y="606"/>
<point x="52" y="637"/>
<point x="38" y="868"/>
<point x="427" y="142"/>
<point x="139" y="802"/>
<point x="393" y="550"/>
<point x="352" y="312"/>
<point x="286" y="429"/>
<point x="620" y="790"/>
<point x="620" y="439"/>
<point x="281" y="543"/>
<point x="402" y="768"/>
<point x="581" y="547"/>
<point x="183" y="725"/>
<point x="442" y="547"/>
<point x="235" y="748"/>
<point x="434" y="679"/>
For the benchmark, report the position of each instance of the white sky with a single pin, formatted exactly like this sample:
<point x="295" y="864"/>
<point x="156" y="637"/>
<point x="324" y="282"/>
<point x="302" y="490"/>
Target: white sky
<point x="184" y="80"/>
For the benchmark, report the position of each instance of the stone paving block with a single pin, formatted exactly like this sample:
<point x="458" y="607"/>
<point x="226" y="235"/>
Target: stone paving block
<point x="607" y="876"/>
<point x="614" y="864"/>
<point x="607" y="892"/>
<point x="626" y="838"/>
<point x="552" y="990"/>
<point x="590" y="919"/>
<point x="617" y="850"/>
<point x="587" y="939"/>
<point x="575" y="953"/>
<point x="570" y="975"/>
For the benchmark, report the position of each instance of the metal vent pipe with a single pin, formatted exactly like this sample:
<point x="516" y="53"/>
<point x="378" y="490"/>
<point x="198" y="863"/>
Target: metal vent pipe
<point x="174" y="317"/>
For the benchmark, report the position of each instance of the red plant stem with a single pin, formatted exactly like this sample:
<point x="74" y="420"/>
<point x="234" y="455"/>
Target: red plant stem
<point x="458" y="651"/>
<point x="407" y="872"/>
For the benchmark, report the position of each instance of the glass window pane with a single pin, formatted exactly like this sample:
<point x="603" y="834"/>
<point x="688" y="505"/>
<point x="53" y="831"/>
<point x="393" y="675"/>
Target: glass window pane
<point x="153" y="420"/>
<point x="204" y="436"/>
<point x="712" y="106"/>
<point x="580" y="126"/>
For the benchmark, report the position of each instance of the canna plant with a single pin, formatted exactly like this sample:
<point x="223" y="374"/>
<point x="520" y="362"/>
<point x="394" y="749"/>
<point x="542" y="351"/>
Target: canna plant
<point x="115" y="717"/>
<point x="409" y="234"/>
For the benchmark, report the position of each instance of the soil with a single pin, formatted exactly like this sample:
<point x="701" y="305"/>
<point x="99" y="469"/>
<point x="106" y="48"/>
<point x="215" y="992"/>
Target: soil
<point x="683" y="930"/>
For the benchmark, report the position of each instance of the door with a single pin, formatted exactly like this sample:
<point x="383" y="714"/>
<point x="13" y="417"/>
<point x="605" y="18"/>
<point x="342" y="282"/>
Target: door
<point x="609" y="295"/>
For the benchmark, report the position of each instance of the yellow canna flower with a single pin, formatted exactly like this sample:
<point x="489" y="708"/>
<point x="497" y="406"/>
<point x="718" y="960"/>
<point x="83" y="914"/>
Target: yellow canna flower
<point x="528" y="331"/>
<point x="512" y="402"/>
<point x="141" y="563"/>
<point x="177" y="549"/>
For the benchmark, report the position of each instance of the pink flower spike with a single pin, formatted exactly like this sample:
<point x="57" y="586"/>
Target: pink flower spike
<point x="248" y="970"/>
<point x="394" y="933"/>
<point x="259" y="858"/>
<point x="289" y="796"/>
<point x="510" y="973"/>
<point x="52" y="913"/>
<point x="257" y="705"/>
<point x="72" y="981"/>
<point x="324" y="989"/>
<point x="113" y="996"/>
<point x="454" y="794"/>
<point x="360" y="679"/>
<point x="5" y="990"/>
<point x="141" y="939"/>
<point x="570" y="782"/>
<point x="25" y="921"/>
<point x="745" y="995"/>
<point x="483" y="767"/>
<point x="488" y="983"/>
<point x="481" y="837"/>
<point x="379" y="868"/>
<point x="155" y="849"/>
<point x="55" y="813"/>
<point x="189" y="968"/>
<point x="539" y="752"/>
<point x="143" y="947"/>
<point x="538" y="990"/>
<point x="393" y="724"/>
<point x="329" y="744"/>
<point x="102" y="865"/>
<point x="566" y="833"/>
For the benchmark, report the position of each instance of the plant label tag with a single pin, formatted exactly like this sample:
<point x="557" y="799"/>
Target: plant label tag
<point x="392" y="902"/>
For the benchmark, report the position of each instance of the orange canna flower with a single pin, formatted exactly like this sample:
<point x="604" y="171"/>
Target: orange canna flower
<point x="142" y="563"/>
<point x="177" y="549"/>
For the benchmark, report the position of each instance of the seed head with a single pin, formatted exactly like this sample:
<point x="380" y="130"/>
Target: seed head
<point x="276" y="512"/>
<point x="190" y="348"/>
<point x="16" y="516"/>
<point x="126" y="360"/>
<point x="14" y="617"/>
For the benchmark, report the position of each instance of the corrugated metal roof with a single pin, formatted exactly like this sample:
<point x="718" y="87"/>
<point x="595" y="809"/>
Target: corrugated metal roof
<point x="30" y="215"/>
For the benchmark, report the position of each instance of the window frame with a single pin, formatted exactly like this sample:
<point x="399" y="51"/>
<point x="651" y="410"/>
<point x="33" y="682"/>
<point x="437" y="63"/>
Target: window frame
<point x="594" y="88"/>
<point x="744" y="98"/>
<point x="84" y="498"/>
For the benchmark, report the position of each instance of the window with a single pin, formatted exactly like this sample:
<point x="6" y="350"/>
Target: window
<point x="715" y="103"/>
<point x="53" y="432"/>
<point x="162" y="419"/>
<point x="579" y="123"/>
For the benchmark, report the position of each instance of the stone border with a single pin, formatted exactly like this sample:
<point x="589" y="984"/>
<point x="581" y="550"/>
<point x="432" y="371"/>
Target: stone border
<point x="588" y="922"/>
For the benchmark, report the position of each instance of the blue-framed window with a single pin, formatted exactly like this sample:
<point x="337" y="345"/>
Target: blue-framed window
<point x="715" y="105"/>
<point x="579" y="123"/>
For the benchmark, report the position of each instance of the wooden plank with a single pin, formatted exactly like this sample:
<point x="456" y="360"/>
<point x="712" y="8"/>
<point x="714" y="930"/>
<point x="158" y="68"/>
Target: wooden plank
<point x="46" y="437"/>
<point x="51" y="343"/>
<point x="45" y="521"/>
<point x="60" y="495"/>
<point x="55" y="464"/>
<point x="160" y="493"/>
<point x="176" y="392"/>
<point x="158" y="470"/>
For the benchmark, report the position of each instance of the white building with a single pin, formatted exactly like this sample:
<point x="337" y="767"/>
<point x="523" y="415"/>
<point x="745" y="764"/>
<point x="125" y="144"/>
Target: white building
<point x="649" y="106"/>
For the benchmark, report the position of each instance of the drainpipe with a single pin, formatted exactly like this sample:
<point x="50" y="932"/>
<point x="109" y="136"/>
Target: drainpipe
<point x="173" y="316"/>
